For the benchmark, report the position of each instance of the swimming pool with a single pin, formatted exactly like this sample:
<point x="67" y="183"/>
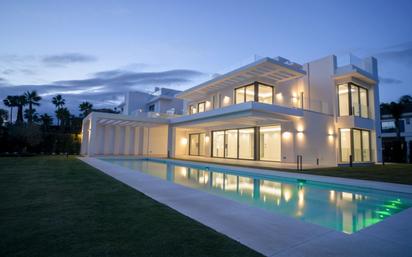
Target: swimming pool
<point x="343" y="208"/>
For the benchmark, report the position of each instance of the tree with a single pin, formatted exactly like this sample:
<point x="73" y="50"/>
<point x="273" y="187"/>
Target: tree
<point x="31" y="115"/>
<point x="32" y="98"/>
<point x="396" y="110"/>
<point x="405" y="99"/>
<point x="3" y="116"/>
<point x="10" y="101"/>
<point x="46" y="121"/>
<point x="58" y="101"/>
<point x="20" y="102"/>
<point x="85" y="108"/>
<point x="63" y="115"/>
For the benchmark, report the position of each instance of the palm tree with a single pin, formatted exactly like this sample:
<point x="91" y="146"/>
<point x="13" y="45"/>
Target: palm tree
<point x="32" y="99"/>
<point x="58" y="101"/>
<point x="10" y="101"/>
<point x="21" y="102"/>
<point x="3" y="116"/>
<point x="85" y="108"/>
<point x="62" y="114"/>
<point x="46" y="121"/>
<point x="31" y="115"/>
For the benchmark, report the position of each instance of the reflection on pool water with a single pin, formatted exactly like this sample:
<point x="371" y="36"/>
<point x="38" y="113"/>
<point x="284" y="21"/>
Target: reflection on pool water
<point x="343" y="208"/>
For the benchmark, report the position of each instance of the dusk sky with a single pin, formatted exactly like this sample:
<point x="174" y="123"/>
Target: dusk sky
<point x="98" y="50"/>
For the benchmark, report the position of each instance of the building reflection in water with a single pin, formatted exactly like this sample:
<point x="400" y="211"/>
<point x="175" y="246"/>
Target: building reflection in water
<point x="342" y="210"/>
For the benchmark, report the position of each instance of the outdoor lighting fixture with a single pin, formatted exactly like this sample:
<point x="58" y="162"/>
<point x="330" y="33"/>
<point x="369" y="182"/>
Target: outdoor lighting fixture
<point x="183" y="141"/>
<point x="279" y="97"/>
<point x="286" y="135"/>
<point x="207" y="139"/>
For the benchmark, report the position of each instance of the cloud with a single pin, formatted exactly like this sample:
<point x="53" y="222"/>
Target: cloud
<point x="390" y="80"/>
<point x="67" y="58"/>
<point x="103" y="89"/>
<point x="400" y="53"/>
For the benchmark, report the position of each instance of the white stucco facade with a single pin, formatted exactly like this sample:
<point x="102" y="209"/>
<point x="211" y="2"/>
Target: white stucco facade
<point x="271" y="110"/>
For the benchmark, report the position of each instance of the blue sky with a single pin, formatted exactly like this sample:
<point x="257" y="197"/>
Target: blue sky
<point x="96" y="50"/>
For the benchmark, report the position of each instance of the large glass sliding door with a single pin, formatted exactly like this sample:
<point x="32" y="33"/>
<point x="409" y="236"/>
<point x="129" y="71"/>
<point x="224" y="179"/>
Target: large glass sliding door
<point x="355" y="143"/>
<point x="247" y="143"/>
<point x="235" y="143"/>
<point x="197" y="145"/>
<point x="218" y="144"/>
<point x="231" y="143"/>
<point x="270" y="143"/>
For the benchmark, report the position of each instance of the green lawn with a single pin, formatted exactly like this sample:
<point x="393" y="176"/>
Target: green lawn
<point x="394" y="173"/>
<point x="50" y="206"/>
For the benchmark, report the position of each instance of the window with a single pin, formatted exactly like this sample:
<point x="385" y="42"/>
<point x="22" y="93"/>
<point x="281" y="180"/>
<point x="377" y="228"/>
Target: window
<point x="201" y="107"/>
<point x="353" y="100"/>
<point x="151" y="108"/>
<point x="355" y="143"/>
<point x="270" y="143"/>
<point x="345" y="145"/>
<point x="390" y="126"/>
<point x="265" y="94"/>
<point x="231" y="143"/>
<point x="247" y="143"/>
<point x="197" y="144"/>
<point x="192" y="109"/>
<point x="343" y="93"/>
<point x="218" y="143"/>
<point x="235" y="143"/>
<point x="255" y="92"/>
<point x="245" y="94"/>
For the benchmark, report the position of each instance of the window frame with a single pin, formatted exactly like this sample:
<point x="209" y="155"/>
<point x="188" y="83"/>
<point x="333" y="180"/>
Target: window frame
<point x="352" y="145"/>
<point x="256" y="92"/>
<point x="204" y="106"/>
<point x="351" y="111"/>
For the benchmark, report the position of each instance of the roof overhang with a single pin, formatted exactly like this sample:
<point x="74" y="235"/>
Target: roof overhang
<point x="355" y="72"/>
<point x="267" y="69"/>
<point x="110" y="119"/>
<point x="244" y="114"/>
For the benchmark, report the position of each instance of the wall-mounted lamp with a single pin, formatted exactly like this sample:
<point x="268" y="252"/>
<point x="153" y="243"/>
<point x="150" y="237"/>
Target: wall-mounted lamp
<point x="207" y="138"/>
<point x="286" y="135"/>
<point x="183" y="141"/>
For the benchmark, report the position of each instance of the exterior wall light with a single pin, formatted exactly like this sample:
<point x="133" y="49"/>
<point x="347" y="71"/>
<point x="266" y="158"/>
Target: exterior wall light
<point x="183" y="141"/>
<point x="286" y="135"/>
<point x="207" y="138"/>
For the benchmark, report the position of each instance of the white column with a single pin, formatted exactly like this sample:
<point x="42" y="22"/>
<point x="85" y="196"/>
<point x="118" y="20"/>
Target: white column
<point x="126" y="141"/>
<point x="85" y="137"/>
<point x="137" y="141"/>
<point x="92" y="138"/>
<point x="109" y="140"/>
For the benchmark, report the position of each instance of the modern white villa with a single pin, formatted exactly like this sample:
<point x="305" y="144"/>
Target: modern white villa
<point x="271" y="112"/>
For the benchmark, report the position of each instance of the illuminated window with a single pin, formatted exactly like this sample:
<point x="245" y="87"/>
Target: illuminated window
<point x="255" y="92"/>
<point x="192" y="109"/>
<point x="353" y="100"/>
<point x="355" y="143"/>
<point x="201" y="107"/>
<point x="265" y="94"/>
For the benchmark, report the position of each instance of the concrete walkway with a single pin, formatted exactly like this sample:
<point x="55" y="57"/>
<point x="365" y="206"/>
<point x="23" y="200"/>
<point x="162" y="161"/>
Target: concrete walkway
<point x="266" y="232"/>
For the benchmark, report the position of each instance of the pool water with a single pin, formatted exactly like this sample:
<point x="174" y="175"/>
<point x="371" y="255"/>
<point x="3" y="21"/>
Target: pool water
<point x="343" y="208"/>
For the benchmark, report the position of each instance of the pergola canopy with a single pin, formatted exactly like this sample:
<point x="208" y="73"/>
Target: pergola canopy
<point x="270" y="70"/>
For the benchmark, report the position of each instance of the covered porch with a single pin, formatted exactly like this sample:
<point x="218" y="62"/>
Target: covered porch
<point x="244" y="134"/>
<point x="105" y="134"/>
